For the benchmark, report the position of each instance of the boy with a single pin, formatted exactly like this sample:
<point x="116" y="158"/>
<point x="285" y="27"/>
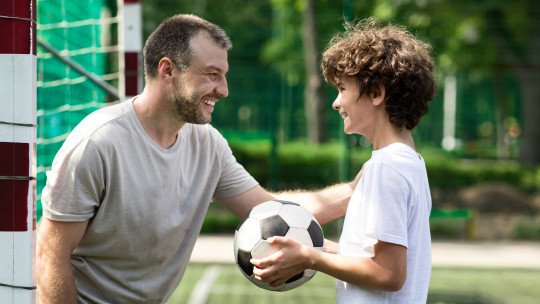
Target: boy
<point x="384" y="77"/>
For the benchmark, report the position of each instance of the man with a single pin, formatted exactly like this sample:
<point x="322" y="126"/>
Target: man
<point x="129" y="189"/>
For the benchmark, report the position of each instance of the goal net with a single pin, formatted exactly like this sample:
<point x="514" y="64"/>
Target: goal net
<point x="77" y="70"/>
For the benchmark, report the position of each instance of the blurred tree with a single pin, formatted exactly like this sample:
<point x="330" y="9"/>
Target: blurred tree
<point x="514" y="30"/>
<point x="493" y="37"/>
<point x="487" y="39"/>
<point x="251" y="85"/>
<point x="295" y="52"/>
<point x="314" y="100"/>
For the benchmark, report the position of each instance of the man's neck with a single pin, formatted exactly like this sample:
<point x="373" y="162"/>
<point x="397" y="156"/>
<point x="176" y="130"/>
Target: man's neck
<point x="157" y="118"/>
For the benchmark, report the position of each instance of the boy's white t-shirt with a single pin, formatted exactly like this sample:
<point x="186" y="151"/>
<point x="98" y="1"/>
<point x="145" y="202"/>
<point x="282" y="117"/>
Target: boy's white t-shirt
<point x="391" y="203"/>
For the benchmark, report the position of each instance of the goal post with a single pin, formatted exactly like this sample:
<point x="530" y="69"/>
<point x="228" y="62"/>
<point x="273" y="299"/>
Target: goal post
<point x="17" y="150"/>
<point x="131" y="37"/>
<point x="60" y="61"/>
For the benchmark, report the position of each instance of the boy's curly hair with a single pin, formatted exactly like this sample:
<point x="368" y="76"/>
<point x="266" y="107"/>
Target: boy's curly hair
<point x="387" y="55"/>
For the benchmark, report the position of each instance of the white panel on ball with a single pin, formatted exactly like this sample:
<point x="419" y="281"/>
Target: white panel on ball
<point x="249" y="234"/>
<point x="295" y="217"/>
<point x="265" y="210"/>
<point x="263" y="249"/>
<point x="301" y="235"/>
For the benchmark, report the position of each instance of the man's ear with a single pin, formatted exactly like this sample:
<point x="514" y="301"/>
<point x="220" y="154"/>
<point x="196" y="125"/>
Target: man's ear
<point x="379" y="95"/>
<point x="165" y="69"/>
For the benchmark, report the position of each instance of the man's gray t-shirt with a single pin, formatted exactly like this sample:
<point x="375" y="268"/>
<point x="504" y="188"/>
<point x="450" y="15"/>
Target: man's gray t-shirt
<point x="145" y="204"/>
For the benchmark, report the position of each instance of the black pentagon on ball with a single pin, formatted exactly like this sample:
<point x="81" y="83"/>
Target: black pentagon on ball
<point x="244" y="218"/>
<point x="273" y="226"/>
<point x="243" y="259"/>
<point x="296" y="277"/>
<point x="316" y="234"/>
<point x="287" y="203"/>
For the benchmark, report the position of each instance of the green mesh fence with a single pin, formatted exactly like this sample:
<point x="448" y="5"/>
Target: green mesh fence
<point x="83" y="32"/>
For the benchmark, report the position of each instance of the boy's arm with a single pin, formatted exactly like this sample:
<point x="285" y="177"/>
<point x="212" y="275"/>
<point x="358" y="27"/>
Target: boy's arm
<point x="386" y="271"/>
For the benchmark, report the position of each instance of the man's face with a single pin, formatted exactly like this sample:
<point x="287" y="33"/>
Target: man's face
<point x="203" y="83"/>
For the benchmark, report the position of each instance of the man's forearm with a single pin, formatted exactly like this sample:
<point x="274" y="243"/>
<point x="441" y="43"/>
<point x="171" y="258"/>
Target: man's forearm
<point x="326" y="205"/>
<point x="55" y="243"/>
<point x="56" y="284"/>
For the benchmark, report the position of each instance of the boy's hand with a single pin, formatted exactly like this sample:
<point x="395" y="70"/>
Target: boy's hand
<point x="292" y="258"/>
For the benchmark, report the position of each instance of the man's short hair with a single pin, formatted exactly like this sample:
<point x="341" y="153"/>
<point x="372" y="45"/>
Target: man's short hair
<point x="172" y="39"/>
<point x="389" y="56"/>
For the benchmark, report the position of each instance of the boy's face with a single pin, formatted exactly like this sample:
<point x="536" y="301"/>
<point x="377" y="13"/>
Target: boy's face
<point x="358" y="112"/>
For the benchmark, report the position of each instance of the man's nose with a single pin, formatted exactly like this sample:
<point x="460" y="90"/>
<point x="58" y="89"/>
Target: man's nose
<point x="222" y="89"/>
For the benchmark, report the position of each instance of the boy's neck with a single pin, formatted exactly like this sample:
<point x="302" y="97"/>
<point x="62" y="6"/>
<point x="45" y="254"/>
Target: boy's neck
<point x="403" y="136"/>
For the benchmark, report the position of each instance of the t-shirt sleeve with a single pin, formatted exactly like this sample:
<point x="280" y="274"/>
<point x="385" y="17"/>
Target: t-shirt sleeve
<point x="76" y="182"/>
<point x="234" y="178"/>
<point x="388" y="199"/>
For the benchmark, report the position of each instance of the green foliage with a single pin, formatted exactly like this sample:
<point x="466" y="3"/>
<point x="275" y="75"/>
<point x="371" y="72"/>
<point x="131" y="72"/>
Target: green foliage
<point x="447" y="229"/>
<point x="307" y="166"/>
<point x="219" y="221"/>
<point x="267" y="62"/>
<point x="527" y="229"/>
<point x="284" y="51"/>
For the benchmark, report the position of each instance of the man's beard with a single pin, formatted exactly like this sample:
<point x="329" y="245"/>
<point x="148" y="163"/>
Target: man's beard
<point x="187" y="106"/>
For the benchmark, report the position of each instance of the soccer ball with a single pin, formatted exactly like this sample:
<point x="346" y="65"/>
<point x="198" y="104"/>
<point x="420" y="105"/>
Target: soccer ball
<point x="275" y="218"/>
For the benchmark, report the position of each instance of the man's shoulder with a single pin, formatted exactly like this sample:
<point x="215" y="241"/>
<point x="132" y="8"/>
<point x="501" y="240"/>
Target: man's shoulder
<point x="109" y="113"/>
<point x="99" y="122"/>
<point x="104" y="116"/>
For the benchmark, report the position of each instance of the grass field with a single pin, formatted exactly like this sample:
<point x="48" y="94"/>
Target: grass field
<point x="224" y="284"/>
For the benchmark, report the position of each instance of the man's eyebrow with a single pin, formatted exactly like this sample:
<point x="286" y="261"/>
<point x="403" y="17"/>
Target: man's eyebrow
<point x="215" y="68"/>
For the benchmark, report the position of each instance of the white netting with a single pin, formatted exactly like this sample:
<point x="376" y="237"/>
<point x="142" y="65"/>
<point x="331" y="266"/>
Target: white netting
<point x="83" y="34"/>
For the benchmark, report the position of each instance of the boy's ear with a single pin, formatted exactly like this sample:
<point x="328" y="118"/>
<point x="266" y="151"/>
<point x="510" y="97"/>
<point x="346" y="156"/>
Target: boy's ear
<point x="379" y="95"/>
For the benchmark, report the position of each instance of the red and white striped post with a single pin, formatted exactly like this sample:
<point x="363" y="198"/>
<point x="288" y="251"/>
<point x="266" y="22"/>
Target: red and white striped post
<point x="132" y="45"/>
<point x="17" y="150"/>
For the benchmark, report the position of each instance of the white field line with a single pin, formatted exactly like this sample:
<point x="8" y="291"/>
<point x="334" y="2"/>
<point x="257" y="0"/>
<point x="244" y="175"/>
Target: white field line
<point x="204" y="286"/>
